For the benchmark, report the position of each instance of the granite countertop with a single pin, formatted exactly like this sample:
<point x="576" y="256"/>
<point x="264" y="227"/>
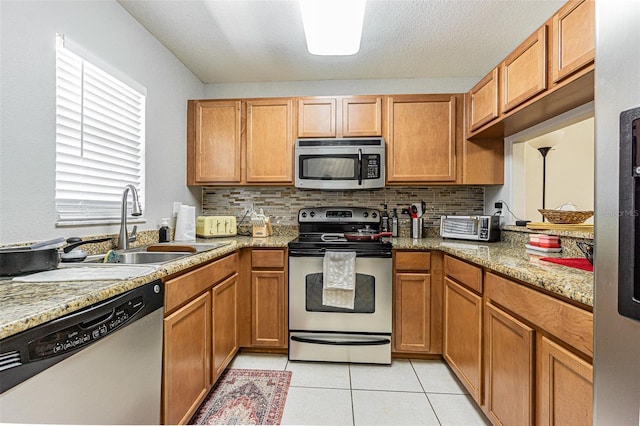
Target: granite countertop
<point x="515" y="262"/>
<point x="25" y="305"/>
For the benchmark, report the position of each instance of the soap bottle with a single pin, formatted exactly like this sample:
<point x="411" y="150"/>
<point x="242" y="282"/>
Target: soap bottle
<point x="164" y="234"/>
<point x="394" y="223"/>
<point x="385" y="219"/>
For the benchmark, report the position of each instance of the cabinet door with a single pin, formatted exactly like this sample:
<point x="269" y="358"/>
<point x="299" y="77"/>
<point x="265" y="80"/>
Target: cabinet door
<point x="268" y="322"/>
<point x="317" y="117"/>
<point x="463" y="336"/>
<point x="483" y="98"/>
<point x="565" y="386"/>
<point x="187" y="360"/>
<point x="421" y="138"/>
<point x="573" y="38"/>
<point x="412" y="305"/>
<point x="362" y="116"/>
<point x="270" y="141"/>
<point x="214" y="143"/>
<point x="225" y="325"/>
<point x="524" y="71"/>
<point x="509" y="368"/>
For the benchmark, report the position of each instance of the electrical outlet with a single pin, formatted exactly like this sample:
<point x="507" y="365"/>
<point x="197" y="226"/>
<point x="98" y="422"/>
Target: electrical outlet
<point x="248" y="208"/>
<point x="497" y="205"/>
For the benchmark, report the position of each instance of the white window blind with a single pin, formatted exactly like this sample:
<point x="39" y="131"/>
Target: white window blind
<point x="100" y="138"/>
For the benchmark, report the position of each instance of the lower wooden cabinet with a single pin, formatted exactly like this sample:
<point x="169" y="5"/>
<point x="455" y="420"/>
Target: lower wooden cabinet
<point x="509" y="346"/>
<point x="462" y="336"/>
<point x="269" y="327"/>
<point x="186" y="366"/>
<point x="565" y="386"/>
<point x="412" y="312"/>
<point x="225" y="325"/>
<point x="417" y="302"/>
<point x="200" y="335"/>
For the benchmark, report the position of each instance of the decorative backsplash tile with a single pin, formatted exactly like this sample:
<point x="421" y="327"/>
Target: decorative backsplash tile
<point x="282" y="203"/>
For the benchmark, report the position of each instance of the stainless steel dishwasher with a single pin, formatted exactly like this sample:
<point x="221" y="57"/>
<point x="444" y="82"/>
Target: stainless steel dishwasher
<point x="99" y="365"/>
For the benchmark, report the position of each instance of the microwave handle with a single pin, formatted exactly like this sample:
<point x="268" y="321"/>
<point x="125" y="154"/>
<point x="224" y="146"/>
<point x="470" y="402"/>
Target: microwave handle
<point x="359" y="166"/>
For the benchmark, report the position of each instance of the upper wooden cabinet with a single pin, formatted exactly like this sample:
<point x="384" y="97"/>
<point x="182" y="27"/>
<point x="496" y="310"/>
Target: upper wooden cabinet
<point x="484" y="101"/>
<point x="330" y="117"/>
<point x="573" y="44"/>
<point x="270" y="141"/>
<point x="422" y="133"/>
<point x="235" y="142"/>
<point x="524" y="71"/>
<point x="214" y="142"/>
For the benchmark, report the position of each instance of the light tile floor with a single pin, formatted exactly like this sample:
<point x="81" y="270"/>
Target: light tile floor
<point x="409" y="392"/>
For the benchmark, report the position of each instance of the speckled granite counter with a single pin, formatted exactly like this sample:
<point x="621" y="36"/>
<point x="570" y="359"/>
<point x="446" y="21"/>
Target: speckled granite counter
<point x="515" y="262"/>
<point x="25" y="305"/>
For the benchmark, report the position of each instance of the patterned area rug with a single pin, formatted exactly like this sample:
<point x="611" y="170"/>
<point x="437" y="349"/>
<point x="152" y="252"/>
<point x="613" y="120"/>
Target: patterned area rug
<point x="248" y="397"/>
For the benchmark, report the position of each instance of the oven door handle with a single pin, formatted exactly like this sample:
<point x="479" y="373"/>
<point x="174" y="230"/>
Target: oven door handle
<point x="342" y="342"/>
<point x="359" y="166"/>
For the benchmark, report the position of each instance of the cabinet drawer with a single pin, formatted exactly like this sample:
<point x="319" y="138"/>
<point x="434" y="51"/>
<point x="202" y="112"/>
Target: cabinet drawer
<point x="464" y="273"/>
<point x="413" y="261"/>
<point x="569" y="323"/>
<point x="268" y="258"/>
<point x="187" y="286"/>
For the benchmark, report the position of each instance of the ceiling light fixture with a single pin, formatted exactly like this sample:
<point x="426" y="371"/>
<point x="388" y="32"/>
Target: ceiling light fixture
<point x="333" y="27"/>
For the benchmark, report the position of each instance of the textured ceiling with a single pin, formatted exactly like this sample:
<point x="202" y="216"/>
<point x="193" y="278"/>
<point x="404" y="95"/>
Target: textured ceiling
<point x="236" y="41"/>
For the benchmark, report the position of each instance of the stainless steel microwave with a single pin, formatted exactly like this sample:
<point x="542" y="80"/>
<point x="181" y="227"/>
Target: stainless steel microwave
<point x="340" y="164"/>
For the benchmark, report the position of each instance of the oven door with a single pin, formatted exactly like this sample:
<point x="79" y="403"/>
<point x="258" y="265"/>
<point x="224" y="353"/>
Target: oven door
<point x="372" y="305"/>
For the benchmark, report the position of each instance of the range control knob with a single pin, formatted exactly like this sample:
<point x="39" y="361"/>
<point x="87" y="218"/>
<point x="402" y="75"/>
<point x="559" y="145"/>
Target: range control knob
<point x="365" y="214"/>
<point x="374" y="215"/>
<point x="304" y="214"/>
<point x="312" y="214"/>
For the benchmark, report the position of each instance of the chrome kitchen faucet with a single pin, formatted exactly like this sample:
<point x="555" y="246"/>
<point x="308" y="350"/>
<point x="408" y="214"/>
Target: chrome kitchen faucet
<point x="124" y="238"/>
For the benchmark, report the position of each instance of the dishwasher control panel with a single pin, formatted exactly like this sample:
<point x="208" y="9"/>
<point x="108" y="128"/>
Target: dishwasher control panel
<point x="84" y="333"/>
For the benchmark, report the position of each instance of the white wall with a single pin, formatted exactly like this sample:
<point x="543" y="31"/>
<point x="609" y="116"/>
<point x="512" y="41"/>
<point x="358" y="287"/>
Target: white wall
<point x="27" y="98"/>
<point x="339" y="87"/>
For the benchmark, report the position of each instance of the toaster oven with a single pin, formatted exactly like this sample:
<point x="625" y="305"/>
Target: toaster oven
<point x="477" y="228"/>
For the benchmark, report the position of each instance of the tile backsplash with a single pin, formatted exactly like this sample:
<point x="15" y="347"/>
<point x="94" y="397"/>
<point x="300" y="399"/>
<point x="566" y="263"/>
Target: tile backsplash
<point x="282" y="203"/>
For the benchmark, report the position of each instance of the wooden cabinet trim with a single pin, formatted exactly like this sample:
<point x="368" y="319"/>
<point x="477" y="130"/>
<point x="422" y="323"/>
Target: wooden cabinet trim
<point x="464" y="273"/>
<point x="529" y="63"/>
<point x="510" y="382"/>
<point x="412" y="261"/>
<point x="187" y="286"/>
<point x="568" y="323"/>
<point x="573" y="34"/>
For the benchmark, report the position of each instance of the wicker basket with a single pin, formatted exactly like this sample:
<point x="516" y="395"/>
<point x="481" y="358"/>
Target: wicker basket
<point x="566" y="216"/>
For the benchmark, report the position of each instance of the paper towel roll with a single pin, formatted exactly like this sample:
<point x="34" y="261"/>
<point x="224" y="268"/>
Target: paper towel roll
<point x="186" y="224"/>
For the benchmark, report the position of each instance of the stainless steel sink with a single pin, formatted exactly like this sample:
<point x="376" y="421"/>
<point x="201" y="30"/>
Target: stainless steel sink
<point x="147" y="257"/>
<point x="199" y="247"/>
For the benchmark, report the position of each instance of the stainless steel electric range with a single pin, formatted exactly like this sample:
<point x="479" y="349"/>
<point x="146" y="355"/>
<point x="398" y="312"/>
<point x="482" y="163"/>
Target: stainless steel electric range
<point x="326" y="332"/>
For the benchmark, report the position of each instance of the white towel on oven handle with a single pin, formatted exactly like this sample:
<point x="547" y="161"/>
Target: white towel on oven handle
<point x="339" y="270"/>
<point x="339" y="279"/>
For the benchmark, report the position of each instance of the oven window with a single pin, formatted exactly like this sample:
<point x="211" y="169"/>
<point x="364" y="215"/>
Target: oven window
<point x="365" y="299"/>
<point x="328" y="167"/>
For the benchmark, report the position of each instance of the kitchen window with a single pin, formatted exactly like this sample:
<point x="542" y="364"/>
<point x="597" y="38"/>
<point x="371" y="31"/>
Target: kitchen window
<point x="100" y="140"/>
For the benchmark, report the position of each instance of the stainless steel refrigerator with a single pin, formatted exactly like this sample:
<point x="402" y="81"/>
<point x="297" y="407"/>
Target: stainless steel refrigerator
<point x="617" y="209"/>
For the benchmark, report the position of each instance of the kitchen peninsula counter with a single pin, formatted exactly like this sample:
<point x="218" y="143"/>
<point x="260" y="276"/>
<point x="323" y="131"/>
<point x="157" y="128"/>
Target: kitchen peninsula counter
<point x="25" y="305"/>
